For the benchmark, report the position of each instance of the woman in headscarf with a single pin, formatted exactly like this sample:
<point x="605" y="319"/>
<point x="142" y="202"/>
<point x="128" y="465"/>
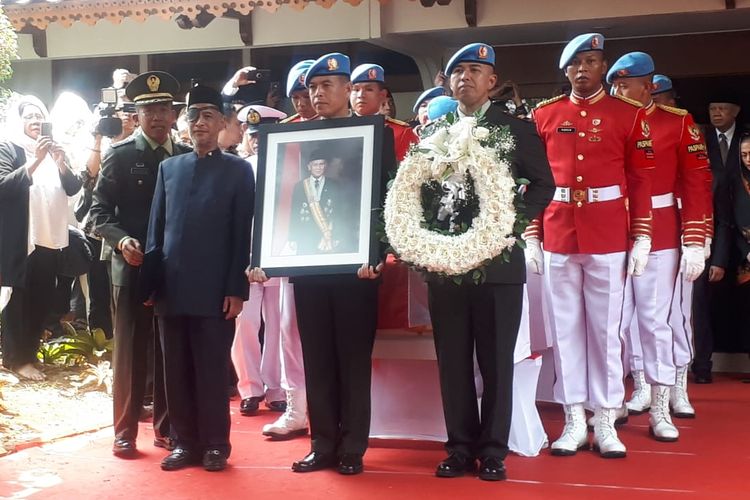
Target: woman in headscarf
<point x="35" y="182"/>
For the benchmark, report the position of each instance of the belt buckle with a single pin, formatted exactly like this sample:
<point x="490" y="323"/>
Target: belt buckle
<point x="579" y="195"/>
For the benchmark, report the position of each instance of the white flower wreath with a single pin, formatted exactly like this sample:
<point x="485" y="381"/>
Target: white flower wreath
<point x="454" y="149"/>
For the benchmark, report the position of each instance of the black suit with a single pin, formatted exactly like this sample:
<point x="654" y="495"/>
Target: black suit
<point x="714" y="308"/>
<point x="485" y="318"/>
<point x="120" y="208"/>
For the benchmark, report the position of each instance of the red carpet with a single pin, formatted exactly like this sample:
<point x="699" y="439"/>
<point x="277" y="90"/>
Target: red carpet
<point x="711" y="460"/>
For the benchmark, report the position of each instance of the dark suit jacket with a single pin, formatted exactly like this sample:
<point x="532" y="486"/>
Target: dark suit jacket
<point x="724" y="178"/>
<point x="122" y="197"/>
<point x="199" y="233"/>
<point x="14" y="211"/>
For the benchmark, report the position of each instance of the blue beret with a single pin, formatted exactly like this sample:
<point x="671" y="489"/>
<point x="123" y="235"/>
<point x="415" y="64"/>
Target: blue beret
<point x="581" y="43"/>
<point x="295" y="80"/>
<point x="631" y="65"/>
<point x="368" y="73"/>
<point x="662" y="83"/>
<point x="441" y="106"/>
<point x="334" y="63"/>
<point x="475" y="53"/>
<point x="426" y="95"/>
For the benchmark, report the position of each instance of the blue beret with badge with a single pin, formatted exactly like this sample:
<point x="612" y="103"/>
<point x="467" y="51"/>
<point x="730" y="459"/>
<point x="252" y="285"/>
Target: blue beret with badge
<point x="582" y="43"/>
<point x="152" y="87"/>
<point x="441" y="106"/>
<point x="472" y="53"/>
<point x="662" y="83"/>
<point x="331" y="64"/>
<point x="427" y="95"/>
<point x="631" y="65"/>
<point x="295" y="80"/>
<point x="368" y="73"/>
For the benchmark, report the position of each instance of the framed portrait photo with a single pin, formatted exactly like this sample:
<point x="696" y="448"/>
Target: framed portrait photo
<point x="318" y="190"/>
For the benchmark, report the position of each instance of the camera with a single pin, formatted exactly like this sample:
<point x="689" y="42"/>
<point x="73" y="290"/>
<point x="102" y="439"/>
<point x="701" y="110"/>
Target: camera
<point x="108" y="125"/>
<point x="258" y="75"/>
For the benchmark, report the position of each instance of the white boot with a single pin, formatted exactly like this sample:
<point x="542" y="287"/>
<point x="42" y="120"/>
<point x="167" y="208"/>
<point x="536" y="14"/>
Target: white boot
<point x="640" y="400"/>
<point x="661" y="426"/>
<point x="621" y="417"/>
<point x="293" y="422"/>
<point x="574" y="436"/>
<point x="605" y="435"/>
<point x="678" y="396"/>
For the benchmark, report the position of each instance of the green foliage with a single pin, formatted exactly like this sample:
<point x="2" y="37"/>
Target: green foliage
<point x="8" y="52"/>
<point x="77" y="347"/>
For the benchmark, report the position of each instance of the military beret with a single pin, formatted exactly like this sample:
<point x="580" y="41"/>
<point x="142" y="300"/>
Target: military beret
<point x="631" y="65"/>
<point x="334" y="63"/>
<point x="256" y="115"/>
<point x="581" y="43"/>
<point x="474" y="53"/>
<point x="368" y="73"/>
<point x="662" y="83"/>
<point x="152" y="87"/>
<point x="203" y="94"/>
<point x="295" y="80"/>
<point x="427" y="95"/>
<point x="441" y="106"/>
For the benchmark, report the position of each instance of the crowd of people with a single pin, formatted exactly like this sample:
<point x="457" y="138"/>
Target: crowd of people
<point x="635" y="212"/>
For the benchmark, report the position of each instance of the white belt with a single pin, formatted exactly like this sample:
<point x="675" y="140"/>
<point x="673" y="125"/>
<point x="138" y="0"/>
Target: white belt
<point x="590" y="195"/>
<point x="662" y="200"/>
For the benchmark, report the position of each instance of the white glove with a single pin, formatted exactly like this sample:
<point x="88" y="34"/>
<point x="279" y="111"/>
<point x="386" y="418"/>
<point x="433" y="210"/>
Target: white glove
<point x="692" y="263"/>
<point x="639" y="255"/>
<point x="707" y="249"/>
<point x="534" y="255"/>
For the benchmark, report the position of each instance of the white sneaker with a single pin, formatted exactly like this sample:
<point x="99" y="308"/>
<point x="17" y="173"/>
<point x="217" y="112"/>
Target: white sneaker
<point x="640" y="400"/>
<point x="678" y="396"/>
<point x="606" y="441"/>
<point x="293" y="422"/>
<point x="574" y="436"/>
<point x="621" y="417"/>
<point x="661" y="426"/>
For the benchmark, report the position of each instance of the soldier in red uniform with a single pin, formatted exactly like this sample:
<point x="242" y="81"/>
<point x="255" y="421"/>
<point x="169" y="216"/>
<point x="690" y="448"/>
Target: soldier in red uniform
<point x="368" y="92"/>
<point x="296" y="91"/>
<point x="681" y="167"/>
<point x="600" y="151"/>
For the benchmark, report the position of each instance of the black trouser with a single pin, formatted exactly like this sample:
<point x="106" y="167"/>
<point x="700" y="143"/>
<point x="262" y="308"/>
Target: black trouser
<point x="703" y="337"/>
<point x="100" y="295"/>
<point x="483" y="319"/>
<point x="134" y="331"/>
<point x="24" y="317"/>
<point x="196" y="364"/>
<point x="337" y="324"/>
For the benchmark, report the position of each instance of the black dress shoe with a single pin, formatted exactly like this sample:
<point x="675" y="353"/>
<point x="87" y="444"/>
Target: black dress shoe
<point x="279" y="406"/>
<point x="703" y="378"/>
<point x="124" y="448"/>
<point x="249" y="406"/>
<point x="178" y="459"/>
<point x="214" y="460"/>
<point x="456" y="465"/>
<point x="164" y="442"/>
<point x="491" y="469"/>
<point x="350" y="464"/>
<point x="314" y="461"/>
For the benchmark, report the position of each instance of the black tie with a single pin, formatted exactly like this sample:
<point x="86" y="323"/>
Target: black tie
<point x="317" y="186"/>
<point x="161" y="153"/>
<point x="723" y="148"/>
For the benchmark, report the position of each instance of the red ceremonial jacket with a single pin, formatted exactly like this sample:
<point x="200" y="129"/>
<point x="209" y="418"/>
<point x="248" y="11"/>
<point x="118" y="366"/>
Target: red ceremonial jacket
<point x="403" y="136"/>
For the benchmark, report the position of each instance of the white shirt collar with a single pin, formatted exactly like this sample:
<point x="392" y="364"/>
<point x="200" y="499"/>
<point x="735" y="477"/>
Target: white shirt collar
<point x="729" y="133"/>
<point x="481" y="111"/>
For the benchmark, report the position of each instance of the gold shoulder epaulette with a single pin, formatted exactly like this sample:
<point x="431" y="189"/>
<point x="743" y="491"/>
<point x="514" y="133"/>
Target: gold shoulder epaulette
<point x="397" y="122"/>
<point x="671" y="109"/>
<point x="290" y="118"/>
<point x="628" y="100"/>
<point x="550" y="101"/>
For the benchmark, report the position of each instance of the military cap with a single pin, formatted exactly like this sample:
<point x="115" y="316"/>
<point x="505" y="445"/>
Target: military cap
<point x="582" y="43"/>
<point x="368" y="73"/>
<point x="473" y="53"/>
<point x="152" y="87"/>
<point x="662" y="83"/>
<point x="441" y="106"/>
<point x="631" y="65"/>
<point x="256" y="115"/>
<point x="427" y="95"/>
<point x="334" y="63"/>
<point x="295" y="80"/>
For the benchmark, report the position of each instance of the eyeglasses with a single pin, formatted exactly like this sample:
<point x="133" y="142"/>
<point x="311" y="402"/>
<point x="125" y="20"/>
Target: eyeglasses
<point x="155" y="113"/>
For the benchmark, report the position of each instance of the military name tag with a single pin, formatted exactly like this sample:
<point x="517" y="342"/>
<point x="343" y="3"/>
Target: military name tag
<point x="644" y="144"/>
<point x="139" y="170"/>
<point x="566" y="130"/>
<point x="695" y="148"/>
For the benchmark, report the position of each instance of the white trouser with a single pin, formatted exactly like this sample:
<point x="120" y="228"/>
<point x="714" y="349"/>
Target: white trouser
<point x="259" y="373"/>
<point x="645" y="319"/>
<point x="681" y="321"/>
<point x="584" y="309"/>
<point x="292" y="367"/>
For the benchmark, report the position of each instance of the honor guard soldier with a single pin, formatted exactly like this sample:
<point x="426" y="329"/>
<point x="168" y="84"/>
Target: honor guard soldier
<point x="424" y="99"/>
<point x="120" y="208"/>
<point x="600" y="150"/>
<point x="368" y="92"/>
<point x="251" y="118"/>
<point x="682" y="166"/>
<point x="663" y="92"/>
<point x="298" y="93"/>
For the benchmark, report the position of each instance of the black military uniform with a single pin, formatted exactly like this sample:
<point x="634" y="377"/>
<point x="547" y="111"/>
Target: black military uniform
<point x="120" y="208"/>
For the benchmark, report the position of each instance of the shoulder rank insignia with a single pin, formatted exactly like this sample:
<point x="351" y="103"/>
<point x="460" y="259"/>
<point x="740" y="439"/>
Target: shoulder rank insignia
<point x="123" y="142"/>
<point x="290" y="118"/>
<point x="397" y="122"/>
<point x="628" y="100"/>
<point x="677" y="111"/>
<point x="550" y="101"/>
